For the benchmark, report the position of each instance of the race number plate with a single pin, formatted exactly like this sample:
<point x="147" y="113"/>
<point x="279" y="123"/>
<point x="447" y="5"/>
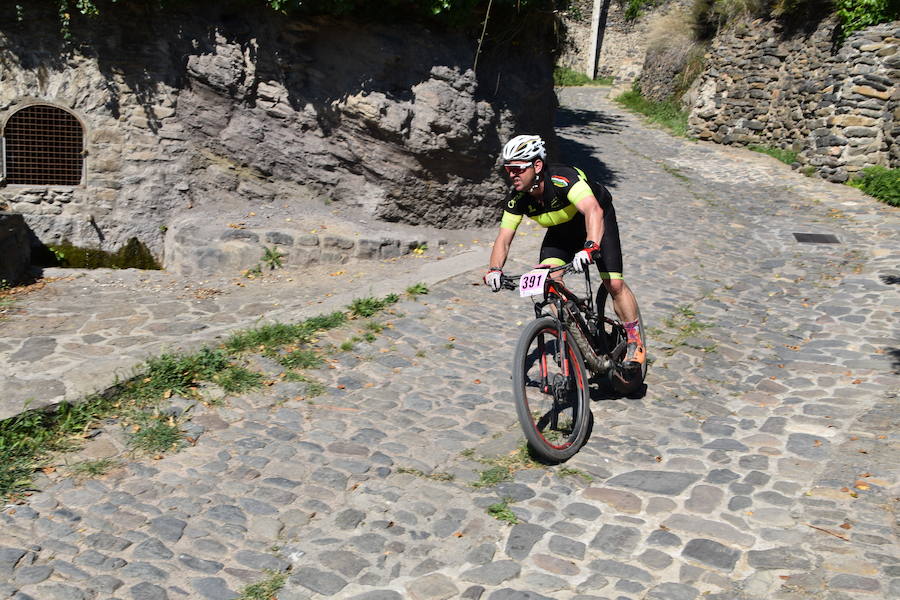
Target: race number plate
<point x="532" y="282"/>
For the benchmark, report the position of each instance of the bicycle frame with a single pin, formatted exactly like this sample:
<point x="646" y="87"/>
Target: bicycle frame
<point x="556" y="293"/>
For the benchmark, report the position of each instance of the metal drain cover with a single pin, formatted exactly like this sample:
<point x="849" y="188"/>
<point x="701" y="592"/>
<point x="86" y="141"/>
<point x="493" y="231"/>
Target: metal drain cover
<point x="816" y="238"/>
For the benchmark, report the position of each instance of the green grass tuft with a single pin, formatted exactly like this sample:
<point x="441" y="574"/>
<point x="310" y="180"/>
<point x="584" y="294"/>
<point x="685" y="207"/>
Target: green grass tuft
<point x="493" y="476"/>
<point x="27" y="438"/>
<point x="501" y="512"/>
<point x="879" y="182"/>
<point x="668" y="114"/>
<point x="788" y="157"/>
<point x="156" y="434"/>
<point x="303" y="358"/>
<point x="366" y="307"/>
<point x="92" y="468"/>
<point x="566" y="77"/>
<point x="265" y="589"/>
<point x="235" y="380"/>
<point x="417" y="290"/>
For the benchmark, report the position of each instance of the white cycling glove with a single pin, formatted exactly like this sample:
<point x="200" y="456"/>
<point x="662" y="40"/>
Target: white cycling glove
<point x="585" y="257"/>
<point x="492" y="278"/>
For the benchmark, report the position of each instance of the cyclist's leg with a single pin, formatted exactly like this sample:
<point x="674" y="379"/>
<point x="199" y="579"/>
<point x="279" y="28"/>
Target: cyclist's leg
<point x="624" y="301"/>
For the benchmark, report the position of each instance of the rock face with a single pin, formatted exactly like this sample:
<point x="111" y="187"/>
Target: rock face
<point x="15" y="250"/>
<point x="840" y="111"/>
<point x="212" y="116"/>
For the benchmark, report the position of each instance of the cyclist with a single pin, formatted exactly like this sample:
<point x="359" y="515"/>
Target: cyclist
<point x="581" y="227"/>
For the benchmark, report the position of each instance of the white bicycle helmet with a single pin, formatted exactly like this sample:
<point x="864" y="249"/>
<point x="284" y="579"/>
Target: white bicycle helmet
<point x="524" y="147"/>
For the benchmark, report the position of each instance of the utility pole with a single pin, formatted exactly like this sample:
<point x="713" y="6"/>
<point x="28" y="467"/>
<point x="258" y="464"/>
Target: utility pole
<point x="598" y="28"/>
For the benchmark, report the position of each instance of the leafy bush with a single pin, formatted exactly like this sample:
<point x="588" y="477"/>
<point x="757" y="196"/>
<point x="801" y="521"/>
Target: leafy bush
<point x="879" y="182"/>
<point x="859" y="14"/>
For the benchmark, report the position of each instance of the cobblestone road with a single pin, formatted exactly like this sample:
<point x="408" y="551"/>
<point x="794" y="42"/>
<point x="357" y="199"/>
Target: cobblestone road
<point x="761" y="463"/>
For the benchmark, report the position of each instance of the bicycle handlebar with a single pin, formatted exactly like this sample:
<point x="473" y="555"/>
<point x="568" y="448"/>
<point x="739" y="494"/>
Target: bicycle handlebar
<point x="511" y="282"/>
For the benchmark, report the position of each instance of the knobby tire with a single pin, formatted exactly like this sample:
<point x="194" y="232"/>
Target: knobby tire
<point x="555" y="426"/>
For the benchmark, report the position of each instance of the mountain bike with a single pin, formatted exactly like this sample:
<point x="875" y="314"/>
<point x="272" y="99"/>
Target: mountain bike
<point x="570" y="337"/>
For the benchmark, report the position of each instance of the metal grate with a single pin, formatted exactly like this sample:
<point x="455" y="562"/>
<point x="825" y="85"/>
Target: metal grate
<point x="816" y="238"/>
<point x="43" y="147"/>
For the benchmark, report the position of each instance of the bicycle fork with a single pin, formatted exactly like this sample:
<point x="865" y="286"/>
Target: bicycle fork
<point x="559" y="387"/>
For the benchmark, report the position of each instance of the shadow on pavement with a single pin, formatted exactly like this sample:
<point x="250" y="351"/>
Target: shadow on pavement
<point x="894" y="353"/>
<point x="601" y="389"/>
<point x="582" y="155"/>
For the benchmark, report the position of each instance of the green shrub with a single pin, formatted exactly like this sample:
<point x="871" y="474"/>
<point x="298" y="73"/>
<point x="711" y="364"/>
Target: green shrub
<point x="859" y="14"/>
<point x="879" y="182"/>
<point x="668" y="114"/>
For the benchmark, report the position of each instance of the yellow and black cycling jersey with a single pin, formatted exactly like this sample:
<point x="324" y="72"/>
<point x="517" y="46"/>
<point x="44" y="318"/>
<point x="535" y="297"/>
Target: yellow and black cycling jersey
<point x="564" y="187"/>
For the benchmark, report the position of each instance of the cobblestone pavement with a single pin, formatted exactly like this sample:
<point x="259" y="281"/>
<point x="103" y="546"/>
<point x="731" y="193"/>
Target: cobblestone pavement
<point x="87" y="329"/>
<point x="760" y="463"/>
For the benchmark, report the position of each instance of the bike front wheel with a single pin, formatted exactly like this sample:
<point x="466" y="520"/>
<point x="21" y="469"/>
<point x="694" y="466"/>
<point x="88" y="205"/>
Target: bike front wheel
<point x="551" y="392"/>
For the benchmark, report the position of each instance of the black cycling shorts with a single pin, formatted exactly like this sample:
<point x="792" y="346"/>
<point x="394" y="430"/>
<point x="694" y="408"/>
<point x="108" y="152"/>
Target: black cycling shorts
<point x="563" y="241"/>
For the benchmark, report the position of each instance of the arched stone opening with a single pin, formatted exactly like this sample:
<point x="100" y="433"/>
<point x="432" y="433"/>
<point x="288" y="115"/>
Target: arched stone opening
<point x="43" y="145"/>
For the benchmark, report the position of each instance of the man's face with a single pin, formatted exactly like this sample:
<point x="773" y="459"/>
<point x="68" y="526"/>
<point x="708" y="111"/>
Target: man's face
<point x="522" y="173"/>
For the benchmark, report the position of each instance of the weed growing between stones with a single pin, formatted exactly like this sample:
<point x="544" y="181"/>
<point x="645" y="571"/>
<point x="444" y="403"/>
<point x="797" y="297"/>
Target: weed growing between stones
<point x="879" y="182"/>
<point x="501" y="512"/>
<point x="30" y="440"/>
<point x="366" y="307"/>
<point x="87" y="469"/>
<point x="502" y="467"/>
<point x="674" y="172"/>
<point x="683" y="325"/>
<point x="301" y="358"/>
<point x="153" y="434"/>
<point x="570" y="472"/>
<point x="29" y="437"/>
<point x="265" y="589"/>
<point x="440" y="476"/>
<point x="268" y="338"/>
<point x="272" y="257"/>
<point x="788" y="157"/>
<point x="416" y="290"/>
<point x="668" y="114"/>
<point x="313" y="388"/>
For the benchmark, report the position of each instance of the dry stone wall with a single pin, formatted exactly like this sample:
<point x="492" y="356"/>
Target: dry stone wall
<point x="840" y="111"/>
<point x="219" y="115"/>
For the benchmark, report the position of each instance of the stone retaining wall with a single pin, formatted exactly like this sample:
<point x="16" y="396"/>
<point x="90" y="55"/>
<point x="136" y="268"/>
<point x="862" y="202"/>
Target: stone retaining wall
<point x="198" y="247"/>
<point x="840" y="111"/>
<point x="15" y="248"/>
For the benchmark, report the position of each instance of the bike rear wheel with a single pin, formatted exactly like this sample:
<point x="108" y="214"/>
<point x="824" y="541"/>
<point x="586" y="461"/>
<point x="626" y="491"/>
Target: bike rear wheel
<point x="552" y="395"/>
<point x="624" y="381"/>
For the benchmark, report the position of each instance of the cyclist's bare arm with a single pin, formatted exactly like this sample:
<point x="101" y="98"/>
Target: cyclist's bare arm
<point x="593" y="217"/>
<point x="501" y="247"/>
